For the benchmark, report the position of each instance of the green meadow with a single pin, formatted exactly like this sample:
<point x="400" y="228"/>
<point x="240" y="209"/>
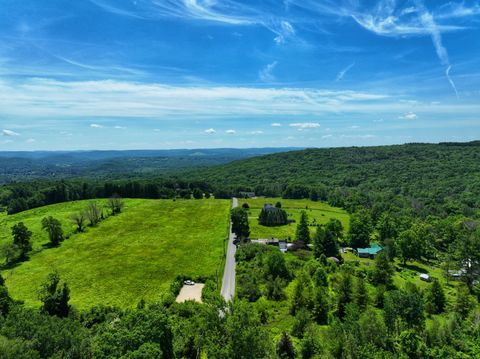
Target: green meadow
<point x="128" y="257"/>
<point x="318" y="213"/>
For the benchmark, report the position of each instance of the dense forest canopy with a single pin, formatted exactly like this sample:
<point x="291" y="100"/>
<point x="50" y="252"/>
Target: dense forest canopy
<point x="433" y="178"/>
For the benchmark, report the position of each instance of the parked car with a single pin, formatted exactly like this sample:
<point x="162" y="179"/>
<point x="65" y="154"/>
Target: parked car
<point x="189" y="282"/>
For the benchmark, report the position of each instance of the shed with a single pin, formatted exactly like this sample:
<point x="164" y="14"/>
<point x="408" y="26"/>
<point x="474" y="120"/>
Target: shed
<point x="425" y="277"/>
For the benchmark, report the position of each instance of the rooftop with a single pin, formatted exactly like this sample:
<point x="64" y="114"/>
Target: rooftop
<point x="373" y="249"/>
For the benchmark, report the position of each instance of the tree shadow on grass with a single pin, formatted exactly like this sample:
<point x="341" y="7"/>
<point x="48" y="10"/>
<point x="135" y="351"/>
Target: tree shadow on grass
<point x="415" y="268"/>
<point x="14" y="263"/>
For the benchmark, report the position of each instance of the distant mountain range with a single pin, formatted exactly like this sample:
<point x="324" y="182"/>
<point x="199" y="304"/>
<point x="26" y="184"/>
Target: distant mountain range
<point x="21" y="166"/>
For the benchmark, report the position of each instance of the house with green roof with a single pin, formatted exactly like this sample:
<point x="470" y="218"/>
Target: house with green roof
<point x="369" y="252"/>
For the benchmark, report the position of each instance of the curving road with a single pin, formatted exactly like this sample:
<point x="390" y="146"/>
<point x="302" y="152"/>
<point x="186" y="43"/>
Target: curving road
<point x="228" y="282"/>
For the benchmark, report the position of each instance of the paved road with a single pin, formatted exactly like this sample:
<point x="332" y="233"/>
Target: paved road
<point x="228" y="282"/>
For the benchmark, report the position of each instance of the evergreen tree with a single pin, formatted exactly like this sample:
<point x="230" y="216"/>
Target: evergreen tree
<point x="301" y="321"/>
<point x="335" y="227"/>
<point x="303" y="232"/>
<point x="310" y="343"/>
<point x="383" y="271"/>
<point x="320" y="306"/>
<point x="361" y="294"/>
<point x="464" y="303"/>
<point x="272" y="216"/>
<point x="54" y="229"/>
<point x="344" y="295"/>
<point x="435" y="298"/>
<point x="320" y="277"/>
<point x="21" y="239"/>
<point x="285" y="348"/>
<point x="325" y="243"/>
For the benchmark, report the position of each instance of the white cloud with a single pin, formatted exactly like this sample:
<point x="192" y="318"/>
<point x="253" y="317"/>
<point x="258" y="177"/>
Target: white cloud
<point x="266" y="74"/>
<point x="9" y="133"/>
<point x="354" y="127"/>
<point x="226" y="12"/>
<point x="51" y="98"/>
<point x="276" y="124"/>
<point x="305" y="125"/>
<point x="387" y="18"/>
<point x="95" y="125"/>
<point x="258" y="132"/>
<point x="326" y="136"/>
<point x="284" y="31"/>
<point x="408" y="116"/>
<point x="231" y="132"/>
<point x="342" y="73"/>
<point x="210" y="131"/>
<point x="31" y="140"/>
<point x="120" y="128"/>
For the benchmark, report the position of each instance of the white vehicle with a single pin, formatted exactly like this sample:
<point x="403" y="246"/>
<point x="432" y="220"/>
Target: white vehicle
<point x="189" y="282"/>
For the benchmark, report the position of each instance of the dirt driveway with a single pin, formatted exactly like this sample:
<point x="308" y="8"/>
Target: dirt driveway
<point x="191" y="292"/>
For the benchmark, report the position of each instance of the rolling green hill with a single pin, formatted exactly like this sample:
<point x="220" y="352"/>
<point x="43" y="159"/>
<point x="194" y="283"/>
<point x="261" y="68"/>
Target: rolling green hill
<point x="128" y="257"/>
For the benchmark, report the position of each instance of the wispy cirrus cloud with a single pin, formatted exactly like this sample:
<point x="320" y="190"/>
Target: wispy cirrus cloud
<point x="266" y="73"/>
<point x="47" y="97"/>
<point x="392" y="18"/>
<point x="343" y="72"/>
<point x="227" y="12"/>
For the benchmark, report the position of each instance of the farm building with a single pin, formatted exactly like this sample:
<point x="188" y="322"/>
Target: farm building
<point x="247" y="194"/>
<point x="369" y="252"/>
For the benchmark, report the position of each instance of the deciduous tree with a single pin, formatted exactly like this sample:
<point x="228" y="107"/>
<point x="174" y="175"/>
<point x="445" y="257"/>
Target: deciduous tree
<point x="54" y="297"/>
<point x="54" y="229"/>
<point x="21" y="239"/>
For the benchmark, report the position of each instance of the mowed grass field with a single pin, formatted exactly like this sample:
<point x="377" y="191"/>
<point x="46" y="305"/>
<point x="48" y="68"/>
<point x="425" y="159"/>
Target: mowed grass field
<point x="318" y="213"/>
<point x="128" y="257"/>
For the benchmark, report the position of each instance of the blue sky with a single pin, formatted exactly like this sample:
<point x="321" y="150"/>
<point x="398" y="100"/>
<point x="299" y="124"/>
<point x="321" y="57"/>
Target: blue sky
<point x="126" y="74"/>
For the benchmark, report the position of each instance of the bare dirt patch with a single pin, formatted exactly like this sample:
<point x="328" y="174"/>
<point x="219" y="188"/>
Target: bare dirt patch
<point x="191" y="292"/>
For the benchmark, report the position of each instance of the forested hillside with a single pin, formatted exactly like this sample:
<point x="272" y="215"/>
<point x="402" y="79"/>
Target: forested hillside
<point x="429" y="178"/>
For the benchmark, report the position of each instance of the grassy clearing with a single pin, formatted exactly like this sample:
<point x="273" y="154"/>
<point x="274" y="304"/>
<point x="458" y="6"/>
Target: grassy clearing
<point x="130" y="256"/>
<point x="33" y="219"/>
<point x="318" y="213"/>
